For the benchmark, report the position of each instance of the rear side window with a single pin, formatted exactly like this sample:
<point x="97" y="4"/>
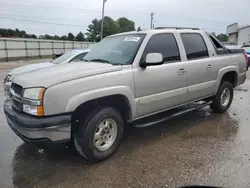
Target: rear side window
<point x="216" y="44"/>
<point x="194" y="45"/>
<point x="164" y="44"/>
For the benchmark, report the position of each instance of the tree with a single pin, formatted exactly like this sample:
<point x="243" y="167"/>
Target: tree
<point x="213" y="33"/>
<point x="80" y="36"/>
<point x="110" y="27"/>
<point x="125" y="25"/>
<point x="94" y="30"/>
<point x="71" y="36"/>
<point x="46" y="36"/>
<point x="64" y="37"/>
<point x="222" y="37"/>
<point x="33" y="36"/>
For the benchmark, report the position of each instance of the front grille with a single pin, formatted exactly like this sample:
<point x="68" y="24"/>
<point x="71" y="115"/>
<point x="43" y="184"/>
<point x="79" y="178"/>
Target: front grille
<point x="17" y="89"/>
<point x="17" y="105"/>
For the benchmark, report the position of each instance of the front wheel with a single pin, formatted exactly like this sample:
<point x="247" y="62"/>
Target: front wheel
<point x="223" y="99"/>
<point x="99" y="135"/>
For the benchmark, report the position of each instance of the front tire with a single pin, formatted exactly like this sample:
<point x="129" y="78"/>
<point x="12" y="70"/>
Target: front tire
<point x="223" y="99"/>
<point x="99" y="135"/>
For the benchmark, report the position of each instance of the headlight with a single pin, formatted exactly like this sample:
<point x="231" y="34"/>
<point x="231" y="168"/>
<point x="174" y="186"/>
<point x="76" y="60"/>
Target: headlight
<point x="34" y="93"/>
<point x="33" y="101"/>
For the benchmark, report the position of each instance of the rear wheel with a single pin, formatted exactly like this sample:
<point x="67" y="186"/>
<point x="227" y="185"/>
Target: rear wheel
<point x="223" y="99"/>
<point x="99" y="135"/>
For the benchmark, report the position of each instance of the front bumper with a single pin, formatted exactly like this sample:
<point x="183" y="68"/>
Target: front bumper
<point x="46" y="130"/>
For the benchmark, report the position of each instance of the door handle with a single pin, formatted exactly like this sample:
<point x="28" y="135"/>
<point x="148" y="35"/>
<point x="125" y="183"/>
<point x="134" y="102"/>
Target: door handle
<point x="209" y="67"/>
<point x="181" y="71"/>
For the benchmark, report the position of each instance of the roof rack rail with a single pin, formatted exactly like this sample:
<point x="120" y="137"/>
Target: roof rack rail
<point x="177" y="28"/>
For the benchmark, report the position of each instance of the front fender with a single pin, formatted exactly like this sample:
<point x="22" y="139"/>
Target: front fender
<point x="83" y="97"/>
<point x="222" y="72"/>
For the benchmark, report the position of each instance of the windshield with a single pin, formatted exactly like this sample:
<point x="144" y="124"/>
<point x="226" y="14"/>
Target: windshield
<point x="64" y="57"/>
<point x="116" y="50"/>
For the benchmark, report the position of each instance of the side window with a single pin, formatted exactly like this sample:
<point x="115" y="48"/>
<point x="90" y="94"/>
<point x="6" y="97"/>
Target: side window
<point x="216" y="43"/>
<point x="194" y="45"/>
<point x="164" y="44"/>
<point x="79" y="57"/>
<point x="218" y="47"/>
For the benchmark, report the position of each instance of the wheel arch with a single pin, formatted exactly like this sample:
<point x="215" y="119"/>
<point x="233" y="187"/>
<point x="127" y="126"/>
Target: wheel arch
<point x="227" y="74"/>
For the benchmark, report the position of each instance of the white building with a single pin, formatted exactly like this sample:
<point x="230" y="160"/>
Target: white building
<point x="238" y="35"/>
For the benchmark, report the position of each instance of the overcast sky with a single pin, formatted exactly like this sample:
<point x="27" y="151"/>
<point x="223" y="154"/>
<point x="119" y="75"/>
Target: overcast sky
<point x="211" y="15"/>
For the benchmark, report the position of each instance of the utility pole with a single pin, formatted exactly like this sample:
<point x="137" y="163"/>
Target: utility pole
<point x="103" y="5"/>
<point x="151" y="20"/>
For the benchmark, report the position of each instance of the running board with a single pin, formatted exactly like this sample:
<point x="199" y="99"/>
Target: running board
<point x="143" y="124"/>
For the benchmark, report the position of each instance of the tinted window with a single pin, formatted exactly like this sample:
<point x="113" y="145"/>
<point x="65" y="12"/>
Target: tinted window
<point x="164" y="44"/>
<point x="194" y="45"/>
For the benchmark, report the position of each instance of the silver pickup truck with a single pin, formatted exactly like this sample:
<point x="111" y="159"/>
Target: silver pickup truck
<point x="124" y="80"/>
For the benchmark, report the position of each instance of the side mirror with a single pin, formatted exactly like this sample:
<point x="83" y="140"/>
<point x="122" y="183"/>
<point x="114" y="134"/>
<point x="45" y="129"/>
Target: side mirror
<point x="153" y="59"/>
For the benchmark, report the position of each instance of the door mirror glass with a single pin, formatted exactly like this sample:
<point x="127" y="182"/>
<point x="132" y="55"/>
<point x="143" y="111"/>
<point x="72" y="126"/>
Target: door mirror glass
<point x="154" y="59"/>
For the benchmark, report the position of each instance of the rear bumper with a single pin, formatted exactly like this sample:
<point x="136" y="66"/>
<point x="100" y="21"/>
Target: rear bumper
<point x="40" y="131"/>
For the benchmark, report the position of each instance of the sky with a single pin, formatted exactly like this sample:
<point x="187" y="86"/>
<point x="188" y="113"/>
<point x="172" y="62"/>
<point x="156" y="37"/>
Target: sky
<point x="73" y="16"/>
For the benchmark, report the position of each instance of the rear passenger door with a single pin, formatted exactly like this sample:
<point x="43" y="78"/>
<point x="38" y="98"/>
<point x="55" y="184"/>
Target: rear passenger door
<point x="200" y="71"/>
<point x="162" y="86"/>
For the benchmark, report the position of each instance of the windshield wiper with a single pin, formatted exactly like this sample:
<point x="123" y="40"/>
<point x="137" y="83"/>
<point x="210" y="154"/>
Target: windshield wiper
<point x="85" y="60"/>
<point x="101" y="60"/>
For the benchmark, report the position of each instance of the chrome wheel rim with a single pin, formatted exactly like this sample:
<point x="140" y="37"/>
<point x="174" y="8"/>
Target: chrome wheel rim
<point x="105" y="134"/>
<point x="225" y="97"/>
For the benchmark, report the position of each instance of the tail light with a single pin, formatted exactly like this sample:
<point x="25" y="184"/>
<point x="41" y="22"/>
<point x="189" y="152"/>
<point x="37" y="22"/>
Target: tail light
<point x="246" y="58"/>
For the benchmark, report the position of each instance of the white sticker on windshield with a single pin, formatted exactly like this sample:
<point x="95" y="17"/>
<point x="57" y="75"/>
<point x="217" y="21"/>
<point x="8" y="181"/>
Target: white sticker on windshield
<point x="132" y="39"/>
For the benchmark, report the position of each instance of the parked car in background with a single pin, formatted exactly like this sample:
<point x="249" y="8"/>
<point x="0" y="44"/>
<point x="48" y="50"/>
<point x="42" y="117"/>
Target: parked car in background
<point x="247" y="50"/>
<point x="248" y="55"/>
<point x="73" y="55"/>
<point x="56" y="55"/>
<point x="126" y="79"/>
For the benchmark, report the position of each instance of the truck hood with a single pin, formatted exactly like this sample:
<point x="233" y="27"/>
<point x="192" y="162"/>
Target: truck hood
<point x="29" y="68"/>
<point x="49" y="76"/>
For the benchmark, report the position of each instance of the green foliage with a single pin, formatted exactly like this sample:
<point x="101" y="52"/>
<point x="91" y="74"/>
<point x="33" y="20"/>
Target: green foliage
<point x="125" y="24"/>
<point x="94" y="30"/>
<point x="222" y="37"/>
<point x="80" y="36"/>
<point x="110" y="27"/>
<point x="64" y="37"/>
<point x="93" y="33"/>
<point x="15" y="33"/>
<point x="71" y="36"/>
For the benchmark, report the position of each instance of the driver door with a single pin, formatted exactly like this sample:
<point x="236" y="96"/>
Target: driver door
<point x="163" y="86"/>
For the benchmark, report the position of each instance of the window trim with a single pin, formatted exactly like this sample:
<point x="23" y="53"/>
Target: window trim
<point x="218" y="52"/>
<point x="204" y="43"/>
<point x="165" y="62"/>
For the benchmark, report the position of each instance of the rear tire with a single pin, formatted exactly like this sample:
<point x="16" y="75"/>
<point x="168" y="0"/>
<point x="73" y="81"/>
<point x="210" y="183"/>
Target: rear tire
<point x="99" y="135"/>
<point x="223" y="99"/>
